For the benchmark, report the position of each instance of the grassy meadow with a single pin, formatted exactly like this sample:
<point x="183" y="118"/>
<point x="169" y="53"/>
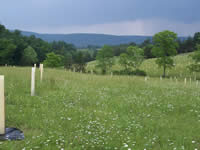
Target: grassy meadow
<point x="74" y="111"/>
<point x="180" y="69"/>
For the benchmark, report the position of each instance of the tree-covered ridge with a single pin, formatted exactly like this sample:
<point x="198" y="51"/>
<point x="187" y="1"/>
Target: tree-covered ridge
<point x="164" y="46"/>
<point x="82" y="40"/>
<point x="185" y="45"/>
<point x="17" y="49"/>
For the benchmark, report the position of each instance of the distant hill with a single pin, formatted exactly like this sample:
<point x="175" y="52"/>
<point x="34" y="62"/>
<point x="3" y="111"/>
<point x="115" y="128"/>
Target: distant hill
<point x="83" y="40"/>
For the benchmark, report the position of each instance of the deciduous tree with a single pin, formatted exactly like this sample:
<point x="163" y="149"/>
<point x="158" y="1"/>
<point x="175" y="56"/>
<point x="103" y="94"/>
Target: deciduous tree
<point x="135" y="56"/>
<point x="29" y="56"/>
<point x="105" y="58"/>
<point x="195" y="67"/>
<point x="7" y="49"/>
<point x="165" y="45"/>
<point x="53" y="60"/>
<point x="123" y="61"/>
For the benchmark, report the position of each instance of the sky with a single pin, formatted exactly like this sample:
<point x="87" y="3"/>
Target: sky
<point x="117" y="17"/>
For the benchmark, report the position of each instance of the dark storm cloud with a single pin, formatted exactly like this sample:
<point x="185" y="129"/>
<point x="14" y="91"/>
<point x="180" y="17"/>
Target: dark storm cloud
<point x="61" y="15"/>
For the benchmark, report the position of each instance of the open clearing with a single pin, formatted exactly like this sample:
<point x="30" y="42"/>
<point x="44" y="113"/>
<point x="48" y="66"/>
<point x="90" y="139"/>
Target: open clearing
<point x="74" y="111"/>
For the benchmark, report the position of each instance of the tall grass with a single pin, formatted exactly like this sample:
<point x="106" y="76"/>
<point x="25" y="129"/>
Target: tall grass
<point x="75" y="111"/>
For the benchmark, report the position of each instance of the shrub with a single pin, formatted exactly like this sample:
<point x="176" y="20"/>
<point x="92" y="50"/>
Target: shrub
<point x="53" y="60"/>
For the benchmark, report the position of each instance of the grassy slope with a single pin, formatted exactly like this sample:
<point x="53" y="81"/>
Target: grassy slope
<point x="180" y="69"/>
<point x="79" y="111"/>
<point x="151" y="68"/>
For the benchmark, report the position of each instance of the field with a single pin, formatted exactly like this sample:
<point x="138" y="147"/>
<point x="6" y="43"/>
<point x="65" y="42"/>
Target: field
<point x="73" y="111"/>
<point x="151" y="68"/>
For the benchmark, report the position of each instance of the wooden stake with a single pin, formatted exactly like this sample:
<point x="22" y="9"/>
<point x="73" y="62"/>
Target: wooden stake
<point x="2" y="106"/>
<point x="185" y="81"/>
<point x="197" y="82"/>
<point x="111" y="74"/>
<point x="41" y="72"/>
<point x="33" y="82"/>
<point x="160" y="78"/>
<point x="35" y="65"/>
<point x="145" y="79"/>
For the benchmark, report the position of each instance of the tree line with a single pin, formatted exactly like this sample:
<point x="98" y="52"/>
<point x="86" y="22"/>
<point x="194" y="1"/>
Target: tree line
<point x="16" y="49"/>
<point x="163" y="46"/>
<point x="184" y="46"/>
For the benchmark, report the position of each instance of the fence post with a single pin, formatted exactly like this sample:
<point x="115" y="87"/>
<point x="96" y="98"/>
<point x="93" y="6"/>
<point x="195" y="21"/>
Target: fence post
<point x="33" y="81"/>
<point x="41" y="72"/>
<point x="185" y="80"/>
<point x="2" y="106"/>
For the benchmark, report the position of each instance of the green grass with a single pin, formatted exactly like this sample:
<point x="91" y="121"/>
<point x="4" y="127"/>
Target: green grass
<point x="75" y="111"/>
<point x="180" y="69"/>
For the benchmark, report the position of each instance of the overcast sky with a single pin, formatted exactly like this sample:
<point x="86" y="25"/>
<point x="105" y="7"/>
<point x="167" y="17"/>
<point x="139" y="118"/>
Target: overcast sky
<point x="118" y="17"/>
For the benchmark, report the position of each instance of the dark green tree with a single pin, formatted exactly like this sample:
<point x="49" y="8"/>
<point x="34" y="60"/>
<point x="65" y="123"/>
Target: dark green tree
<point x="135" y="56"/>
<point x="196" y="38"/>
<point x="68" y="61"/>
<point x="105" y="58"/>
<point x="123" y="61"/>
<point x="3" y="32"/>
<point x="7" y="49"/>
<point x="41" y="47"/>
<point x="52" y="60"/>
<point x="195" y="67"/>
<point x="165" y="45"/>
<point x="87" y="56"/>
<point x="79" y="61"/>
<point x="29" y="56"/>
<point x="21" y="42"/>
<point x="147" y="45"/>
<point x="186" y="45"/>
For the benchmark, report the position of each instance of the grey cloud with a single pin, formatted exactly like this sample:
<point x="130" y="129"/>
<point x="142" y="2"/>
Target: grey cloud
<point x="62" y="15"/>
<point x="138" y="27"/>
